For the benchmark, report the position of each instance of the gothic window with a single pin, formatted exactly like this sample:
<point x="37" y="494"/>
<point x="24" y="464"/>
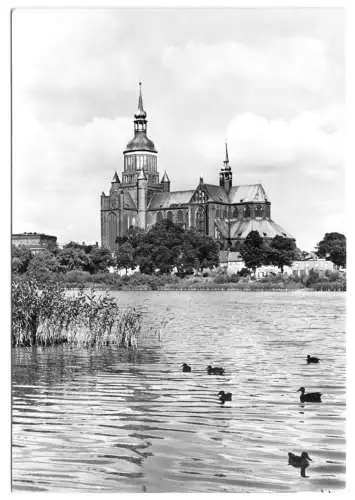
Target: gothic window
<point x="159" y="217"/>
<point x="247" y="211"/>
<point x="169" y="215"/>
<point x="258" y="211"/>
<point x="200" y="196"/>
<point x="201" y="220"/>
<point x="180" y="217"/>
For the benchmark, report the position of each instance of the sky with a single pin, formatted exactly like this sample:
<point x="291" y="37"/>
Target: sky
<point x="269" y="81"/>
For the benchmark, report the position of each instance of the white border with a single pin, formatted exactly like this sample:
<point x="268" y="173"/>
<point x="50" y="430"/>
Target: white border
<point x="5" y="7"/>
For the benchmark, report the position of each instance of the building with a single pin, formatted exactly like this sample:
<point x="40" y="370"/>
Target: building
<point x="36" y="242"/>
<point x="232" y="263"/>
<point x="222" y="211"/>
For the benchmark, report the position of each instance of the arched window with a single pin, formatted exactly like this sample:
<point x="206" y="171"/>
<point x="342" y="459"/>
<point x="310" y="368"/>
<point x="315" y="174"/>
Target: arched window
<point x="180" y="217"/>
<point x="159" y="217"/>
<point x="169" y="215"/>
<point x="201" y="220"/>
<point x="235" y="212"/>
<point x="247" y="211"/>
<point x="259" y="211"/>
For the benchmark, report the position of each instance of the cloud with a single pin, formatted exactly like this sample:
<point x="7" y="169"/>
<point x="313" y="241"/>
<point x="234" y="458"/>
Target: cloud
<point x="60" y="170"/>
<point x="297" y="62"/>
<point x="271" y="81"/>
<point x="312" y="141"/>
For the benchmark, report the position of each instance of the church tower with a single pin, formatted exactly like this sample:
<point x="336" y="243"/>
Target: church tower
<point x="165" y="182"/>
<point x="140" y="154"/>
<point x="225" y="174"/>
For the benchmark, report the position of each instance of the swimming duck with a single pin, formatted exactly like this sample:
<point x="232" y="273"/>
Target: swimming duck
<point x="224" y="396"/>
<point x="186" y="367"/>
<point x="301" y="462"/>
<point x="314" y="397"/>
<point x="217" y="370"/>
<point x="312" y="359"/>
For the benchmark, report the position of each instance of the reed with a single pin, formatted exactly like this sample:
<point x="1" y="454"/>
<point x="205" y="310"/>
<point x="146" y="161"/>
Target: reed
<point x="47" y="314"/>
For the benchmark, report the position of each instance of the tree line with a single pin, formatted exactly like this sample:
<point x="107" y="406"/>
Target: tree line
<point x="281" y="252"/>
<point x="167" y="247"/>
<point x="73" y="256"/>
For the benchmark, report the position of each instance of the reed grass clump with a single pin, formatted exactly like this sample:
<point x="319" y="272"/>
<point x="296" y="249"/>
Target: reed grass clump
<point x="47" y="314"/>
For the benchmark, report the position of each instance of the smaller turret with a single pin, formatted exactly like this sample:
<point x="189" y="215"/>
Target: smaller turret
<point x="116" y="179"/>
<point x="225" y="174"/>
<point x="165" y="182"/>
<point x="115" y="184"/>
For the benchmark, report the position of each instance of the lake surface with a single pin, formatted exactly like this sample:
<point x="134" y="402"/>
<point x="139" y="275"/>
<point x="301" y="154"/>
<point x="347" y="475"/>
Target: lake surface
<point x="112" y="420"/>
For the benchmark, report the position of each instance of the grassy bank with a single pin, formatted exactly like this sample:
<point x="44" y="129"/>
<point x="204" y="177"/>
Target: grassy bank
<point x="46" y="314"/>
<point x="214" y="280"/>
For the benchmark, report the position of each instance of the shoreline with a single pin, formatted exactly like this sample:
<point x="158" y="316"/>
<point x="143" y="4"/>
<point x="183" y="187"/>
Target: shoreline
<point x="206" y="289"/>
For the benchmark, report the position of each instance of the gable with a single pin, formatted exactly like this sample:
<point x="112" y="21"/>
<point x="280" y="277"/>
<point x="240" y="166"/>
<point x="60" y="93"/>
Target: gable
<point x="248" y="193"/>
<point x="209" y="192"/>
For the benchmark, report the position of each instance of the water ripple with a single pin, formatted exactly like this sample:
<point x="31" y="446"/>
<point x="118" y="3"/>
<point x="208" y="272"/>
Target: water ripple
<point x="111" y="420"/>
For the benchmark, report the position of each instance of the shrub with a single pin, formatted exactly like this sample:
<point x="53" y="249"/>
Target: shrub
<point x="234" y="278"/>
<point x="243" y="272"/>
<point x="46" y="314"/>
<point x="313" y="277"/>
<point x="76" y="276"/>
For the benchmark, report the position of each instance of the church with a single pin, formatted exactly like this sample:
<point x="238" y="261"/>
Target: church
<point x="223" y="211"/>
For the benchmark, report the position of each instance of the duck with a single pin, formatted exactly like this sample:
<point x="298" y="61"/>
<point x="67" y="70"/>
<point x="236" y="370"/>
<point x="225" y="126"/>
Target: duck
<point x="186" y="367"/>
<point x="301" y="462"/>
<point x="312" y="359"/>
<point x="314" y="397"/>
<point x="216" y="370"/>
<point x="224" y="396"/>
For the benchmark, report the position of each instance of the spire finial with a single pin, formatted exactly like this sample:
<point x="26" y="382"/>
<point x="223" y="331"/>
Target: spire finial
<point x="226" y="161"/>
<point x="140" y="99"/>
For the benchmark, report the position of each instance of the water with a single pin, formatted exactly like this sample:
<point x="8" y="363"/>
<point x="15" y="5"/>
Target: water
<point x="122" y="421"/>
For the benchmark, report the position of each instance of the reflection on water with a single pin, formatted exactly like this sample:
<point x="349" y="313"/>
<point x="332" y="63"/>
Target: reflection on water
<point x="111" y="420"/>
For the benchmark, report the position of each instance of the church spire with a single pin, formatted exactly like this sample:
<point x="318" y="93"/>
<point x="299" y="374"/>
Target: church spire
<point x="141" y="114"/>
<point x="225" y="174"/>
<point x="226" y="161"/>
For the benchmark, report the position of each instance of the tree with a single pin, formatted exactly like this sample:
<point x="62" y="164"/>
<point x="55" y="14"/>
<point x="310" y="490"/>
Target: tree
<point x="43" y="265"/>
<point x="333" y="248"/>
<point x="160" y="248"/>
<point x="134" y="235"/>
<point x="20" y="258"/>
<point x="252" y="251"/>
<point x="72" y="257"/>
<point x="125" y="256"/>
<point x="167" y="246"/>
<point x="281" y="252"/>
<point x="201" y="251"/>
<point x="101" y="259"/>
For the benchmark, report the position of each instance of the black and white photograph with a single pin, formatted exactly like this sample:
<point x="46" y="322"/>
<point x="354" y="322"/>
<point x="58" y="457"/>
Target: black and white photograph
<point x="178" y="250"/>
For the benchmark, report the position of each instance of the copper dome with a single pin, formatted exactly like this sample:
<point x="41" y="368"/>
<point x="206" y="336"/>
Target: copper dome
<point x="140" y="142"/>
